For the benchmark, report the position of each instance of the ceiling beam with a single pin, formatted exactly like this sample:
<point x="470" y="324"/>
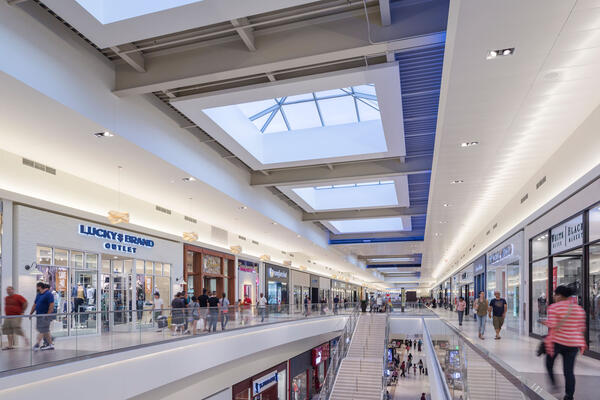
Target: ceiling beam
<point x="135" y="59"/>
<point x="364" y="214"/>
<point x="386" y="12"/>
<point x="376" y="169"/>
<point x="280" y="50"/>
<point x="246" y="33"/>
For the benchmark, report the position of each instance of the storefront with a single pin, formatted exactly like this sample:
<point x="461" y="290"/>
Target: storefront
<point x="479" y="275"/>
<point x="277" y="284"/>
<point x="465" y="285"/>
<point x="343" y="290"/>
<point x="210" y="270"/>
<point x="248" y="281"/>
<point x="447" y="296"/>
<point x="325" y="290"/>
<point x="308" y="372"/>
<point x="504" y="275"/>
<point x="314" y="289"/>
<point x="567" y="254"/>
<point x="268" y="385"/>
<point x="301" y="285"/>
<point x="92" y="267"/>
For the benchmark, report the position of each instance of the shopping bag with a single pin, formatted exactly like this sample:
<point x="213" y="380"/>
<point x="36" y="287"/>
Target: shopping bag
<point x="200" y="324"/>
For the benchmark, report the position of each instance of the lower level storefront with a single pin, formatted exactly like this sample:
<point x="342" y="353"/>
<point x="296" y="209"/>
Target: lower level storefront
<point x="270" y="384"/>
<point x="309" y="370"/>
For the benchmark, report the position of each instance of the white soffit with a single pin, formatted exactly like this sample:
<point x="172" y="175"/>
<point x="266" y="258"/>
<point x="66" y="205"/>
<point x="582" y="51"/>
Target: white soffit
<point x="350" y="195"/>
<point x="225" y="116"/>
<point x="175" y="16"/>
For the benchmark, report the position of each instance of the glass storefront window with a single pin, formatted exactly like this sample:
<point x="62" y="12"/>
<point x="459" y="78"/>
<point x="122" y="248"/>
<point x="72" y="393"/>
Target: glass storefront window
<point x="166" y="270"/>
<point x="300" y="387"/>
<point x="91" y="261"/>
<point x="44" y="255"/>
<point x="567" y="270"/>
<point x="594" y="311"/>
<point x="77" y="259"/>
<point x="539" y="246"/>
<point x="189" y="262"/>
<point x="61" y="257"/>
<point x="539" y="296"/>
<point x="139" y="267"/>
<point x="594" y="225"/>
<point x="128" y="267"/>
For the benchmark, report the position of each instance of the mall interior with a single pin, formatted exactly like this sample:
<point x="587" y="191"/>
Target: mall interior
<point x="298" y="199"/>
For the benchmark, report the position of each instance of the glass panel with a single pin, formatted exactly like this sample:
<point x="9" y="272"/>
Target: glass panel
<point x="254" y="107"/>
<point x="57" y="278"/>
<point x="83" y="299"/>
<point x="567" y="270"/>
<point x="366" y="111"/>
<point x="77" y="259"/>
<point x="299" y="387"/>
<point x="44" y="255"/>
<point x="91" y="261"/>
<point x="162" y="286"/>
<point x="365" y="89"/>
<point x="212" y="265"/>
<point x="128" y="266"/>
<point x="595" y="298"/>
<point x="189" y="262"/>
<point x="338" y="111"/>
<point x="105" y="266"/>
<point x="539" y="246"/>
<point x="166" y="270"/>
<point x="594" y="218"/>
<point x="139" y="267"/>
<point x="158" y="268"/>
<point x="302" y="115"/>
<point x="540" y="296"/>
<point x="277" y="124"/>
<point x="61" y="257"/>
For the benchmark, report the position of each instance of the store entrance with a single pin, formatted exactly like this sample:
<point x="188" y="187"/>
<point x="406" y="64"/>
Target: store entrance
<point x="116" y="296"/>
<point x="211" y="285"/>
<point x="567" y="270"/>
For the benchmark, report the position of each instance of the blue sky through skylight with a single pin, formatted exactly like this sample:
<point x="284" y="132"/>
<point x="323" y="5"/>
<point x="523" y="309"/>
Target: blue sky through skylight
<point x="311" y="110"/>
<point x="368" y="225"/>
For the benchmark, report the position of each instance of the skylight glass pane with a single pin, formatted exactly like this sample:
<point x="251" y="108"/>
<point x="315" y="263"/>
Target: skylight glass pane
<point x="338" y="111"/>
<point x="386" y="182"/>
<point x="368" y="225"/>
<point x="299" y="97"/>
<point x="323" y="187"/>
<point x="367" y="183"/>
<point x="302" y="115"/>
<point x="367" y="113"/>
<point x="327" y="93"/>
<point x="366" y="89"/>
<point x="277" y="124"/>
<point x="344" y="185"/>
<point x="253" y="108"/>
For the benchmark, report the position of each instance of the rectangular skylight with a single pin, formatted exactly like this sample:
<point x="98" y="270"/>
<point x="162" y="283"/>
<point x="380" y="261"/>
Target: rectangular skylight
<point x="311" y="110"/>
<point x="368" y="225"/>
<point x="346" y="196"/>
<point x="109" y="11"/>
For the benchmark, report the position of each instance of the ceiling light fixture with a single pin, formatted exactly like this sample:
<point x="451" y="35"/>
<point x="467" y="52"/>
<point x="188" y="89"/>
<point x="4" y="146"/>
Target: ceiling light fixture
<point x="443" y="222"/>
<point x="273" y="223"/>
<point x="188" y="179"/>
<point x="500" y="53"/>
<point x="116" y="217"/>
<point x="243" y="208"/>
<point x="446" y="205"/>
<point x="468" y="144"/>
<point x="103" y="134"/>
<point x="457" y="181"/>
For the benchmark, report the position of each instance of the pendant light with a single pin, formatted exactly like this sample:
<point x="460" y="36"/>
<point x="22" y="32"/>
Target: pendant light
<point x="116" y="217"/>
<point x="235" y="249"/>
<point x="190" y="236"/>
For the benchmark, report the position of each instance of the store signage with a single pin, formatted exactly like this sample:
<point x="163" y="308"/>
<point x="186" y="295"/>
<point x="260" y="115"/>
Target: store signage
<point x="265" y="382"/>
<point x="320" y="354"/>
<point x="117" y="241"/>
<point x="501" y="254"/>
<point x="247" y="269"/>
<point x="567" y="235"/>
<point x="277" y="273"/>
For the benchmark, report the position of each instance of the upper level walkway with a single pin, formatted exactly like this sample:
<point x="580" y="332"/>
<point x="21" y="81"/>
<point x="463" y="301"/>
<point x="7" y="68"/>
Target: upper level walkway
<point x="519" y="352"/>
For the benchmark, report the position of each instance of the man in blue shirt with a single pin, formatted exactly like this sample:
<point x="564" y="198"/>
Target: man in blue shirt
<point x="44" y="304"/>
<point x="498" y="307"/>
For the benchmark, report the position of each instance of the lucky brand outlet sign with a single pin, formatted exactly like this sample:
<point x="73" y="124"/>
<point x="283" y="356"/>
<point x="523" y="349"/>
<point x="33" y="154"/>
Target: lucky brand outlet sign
<point x="116" y="241"/>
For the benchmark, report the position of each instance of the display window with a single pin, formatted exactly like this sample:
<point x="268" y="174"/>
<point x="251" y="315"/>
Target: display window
<point x="248" y="282"/>
<point x="277" y="281"/>
<point x="210" y="270"/>
<point x="268" y="385"/>
<point x="300" y="387"/>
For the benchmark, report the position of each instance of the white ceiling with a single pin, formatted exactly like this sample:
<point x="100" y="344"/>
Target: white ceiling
<point x="197" y="14"/>
<point x="520" y="108"/>
<point x="63" y="139"/>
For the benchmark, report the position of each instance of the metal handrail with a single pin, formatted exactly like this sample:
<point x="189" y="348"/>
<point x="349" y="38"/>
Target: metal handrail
<point x="385" y="351"/>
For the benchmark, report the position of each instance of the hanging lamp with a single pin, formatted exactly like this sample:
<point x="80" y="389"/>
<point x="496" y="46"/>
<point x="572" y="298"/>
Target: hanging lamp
<point x="117" y="217"/>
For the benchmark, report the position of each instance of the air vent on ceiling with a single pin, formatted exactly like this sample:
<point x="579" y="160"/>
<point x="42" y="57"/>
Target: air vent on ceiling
<point x="291" y="255"/>
<point x="540" y="183"/>
<point x="241" y="237"/>
<point x="524" y="198"/>
<point x="283" y="252"/>
<point x="40" y="166"/>
<point x="190" y="219"/>
<point x="255" y="242"/>
<point x="495" y="226"/>
<point x="487" y="233"/>
<point x="163" y="210"/>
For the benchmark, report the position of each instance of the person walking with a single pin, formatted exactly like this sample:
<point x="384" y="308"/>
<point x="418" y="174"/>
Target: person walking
<point x="481" y="307"/>
<point x="306" y="304"/>
<point x="224" y="308"/>
<point x="403" y="369"/>
<point x="14" y="306"/>
<point x="177" y="313"/>
<point x="566" y="327"/>
<point x="213" y="312"/>
<point x="423" y="397"/>
<point x="419" y="345"/>
<point x="498" y="308"/>
<point x="262" y="305"/>
<point x="43" y="305"/>
<point x="203" y="304"/>
<point x="336" y="301"/>
<point x="415" y="369"/>
<point x="460" y="309"/>
<point x="194" y="312"/>
<point x="421" y="367"/>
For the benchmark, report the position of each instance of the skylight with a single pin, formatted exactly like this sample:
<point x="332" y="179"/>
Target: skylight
<point x="109" y="11"/>
<point x="368" y="225"/>
<point x="314" y="110"/>
<point x="347" y="185"/>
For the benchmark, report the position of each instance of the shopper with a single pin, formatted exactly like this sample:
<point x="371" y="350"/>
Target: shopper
<point x="43" y="305"/>
<point x="213" y="312"/>
<point x="481" y="309"/>
<point x="403" y="369"/>
<point x="566" y="326"/>
<point x="460" y="308"/>
<point x="14" y="306"/>
<point x="498" y="308"/>
<point x="224" y="309"/>
<point x="420" y="345"/>
<point x="306" y="304"/>
<point x="336" y="301"/>
<point x="177" y="313"/>
<point x="423" y="397"/>
<point x="203" y="303"/>
<point x="194" y="312"/>
<point x="415" y="369"/>
<point x="262" y="305"/>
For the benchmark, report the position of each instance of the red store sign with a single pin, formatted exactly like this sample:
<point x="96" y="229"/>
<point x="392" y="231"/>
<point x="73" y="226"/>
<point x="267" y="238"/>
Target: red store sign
<point x="320" y="354"/>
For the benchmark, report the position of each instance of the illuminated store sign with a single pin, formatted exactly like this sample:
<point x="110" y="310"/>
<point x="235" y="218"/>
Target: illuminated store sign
<point x="277" y="273"/>
<point x="116" y="241"/>
<point x="501" y="254"/>
<point x="265" y="382"/>
<point x="567" y="235"/>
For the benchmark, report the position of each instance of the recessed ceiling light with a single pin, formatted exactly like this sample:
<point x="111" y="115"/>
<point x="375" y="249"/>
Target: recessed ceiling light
<point x="492" y="54"/>
<point x="188" y="179"/>
<point x="446" y="205"/>
<point x="243" y="208"/>
<point x="103" y="134"/>
<point x="500" y="53"/>
<point x="457" y="181"/>
<point x="468" y="144"/>
<point x="298" y="236"/>
<point x="273" y="223"/>
<point x="443" y="222"/>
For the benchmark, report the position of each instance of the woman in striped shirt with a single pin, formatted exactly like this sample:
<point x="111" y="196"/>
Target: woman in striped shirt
<point x="566" y="326"/>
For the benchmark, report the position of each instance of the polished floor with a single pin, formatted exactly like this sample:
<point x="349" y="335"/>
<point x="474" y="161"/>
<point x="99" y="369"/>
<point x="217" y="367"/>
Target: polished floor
<point x="518" y="351"/>
<point x="413" y="385"/>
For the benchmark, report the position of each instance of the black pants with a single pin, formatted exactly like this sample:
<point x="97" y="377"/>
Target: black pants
<point x="569" y="354"/>
<point x="460" y="317"/>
